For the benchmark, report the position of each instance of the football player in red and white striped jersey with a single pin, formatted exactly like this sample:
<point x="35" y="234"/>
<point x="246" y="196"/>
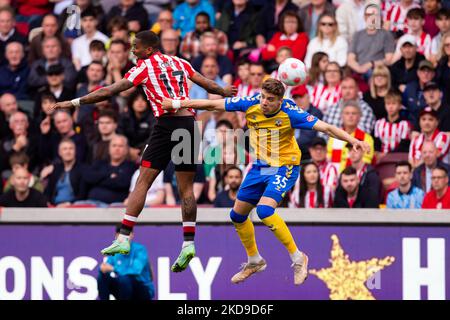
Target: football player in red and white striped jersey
<point x="161" y="76"/>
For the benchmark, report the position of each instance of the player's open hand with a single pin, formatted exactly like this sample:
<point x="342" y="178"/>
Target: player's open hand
<point x="361" y="145"/>
<point x="167" y="104"/>
<point x="229" y="91"/>
<point x="59" y="105"/>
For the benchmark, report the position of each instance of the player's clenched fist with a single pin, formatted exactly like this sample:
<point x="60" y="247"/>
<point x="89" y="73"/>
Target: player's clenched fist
<point x="59" y="105"/>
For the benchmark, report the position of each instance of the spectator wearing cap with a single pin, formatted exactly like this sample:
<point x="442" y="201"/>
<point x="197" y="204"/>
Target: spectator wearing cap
<point x="14" y="74"/>
<point x="55" y="86"/>
<point x="186" y="12"/>
<point x="416" y="21"/>
<point x="428" y="123"/>
<point x="413" y="98"/>
<point x="80" y="45"/>
<point x="337" y="152"/>
<point x="405" y="69"/>
<point x="328" y="172"/>
<point x="22" y="196"/>
<point x="350" y="92"/>
<point x="430" y="159"/>
<point x="370" y="46"/>
<point x="439" y="196"/>
<point x="190" y="46"/>
<point x="8" y="32"/>
<point x="443" y="23"/>
<point x="406" y="196"/>
<point x="304" y="137"/>
<point x="134" y="12"/>
<point x="51" y="49"/>
<point x="434" y="99"/>
<point x="350" y="194"/>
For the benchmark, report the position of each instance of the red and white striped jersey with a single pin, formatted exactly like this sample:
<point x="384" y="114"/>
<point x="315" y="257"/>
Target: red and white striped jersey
<point x="324" y="96"/>
<point x="162" y="76"/>
<point x="391" y="134"/>
<point x="396" y="15"/>
<point x="424" y="44"/>
<point x="328" y="174"/>
<point x="311" y="200"/>
<point x="441" y="141"/>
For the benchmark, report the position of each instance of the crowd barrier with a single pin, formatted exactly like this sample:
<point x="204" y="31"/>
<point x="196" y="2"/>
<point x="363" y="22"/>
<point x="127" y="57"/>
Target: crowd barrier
<point x="354" y="254"/>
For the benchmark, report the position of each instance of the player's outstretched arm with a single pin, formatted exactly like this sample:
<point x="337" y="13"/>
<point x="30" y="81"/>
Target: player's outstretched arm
<point x="96" y="96"/>
<point x="200" y="104"/>
<point x="213" y="87"/>
<point x="340" y="134"/>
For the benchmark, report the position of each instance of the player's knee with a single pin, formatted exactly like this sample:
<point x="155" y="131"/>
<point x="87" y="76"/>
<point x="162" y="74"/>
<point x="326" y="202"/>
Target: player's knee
<point x="264" y="211"/>
<point x="236" y="217"/>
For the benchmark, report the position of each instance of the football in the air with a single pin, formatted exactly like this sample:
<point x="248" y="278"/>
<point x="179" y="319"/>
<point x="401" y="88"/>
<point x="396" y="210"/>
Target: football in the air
<point x="292" y="72"/>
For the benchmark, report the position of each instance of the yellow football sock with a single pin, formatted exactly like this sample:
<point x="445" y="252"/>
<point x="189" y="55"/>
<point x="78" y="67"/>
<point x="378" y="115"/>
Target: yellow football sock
<point x="246" y="232"/>
<point x="281" y="231"/>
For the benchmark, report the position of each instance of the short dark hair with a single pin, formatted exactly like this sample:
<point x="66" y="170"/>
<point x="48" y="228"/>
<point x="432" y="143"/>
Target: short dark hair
<point x="203" y="14"/>
<point x="47" y="95"/>
<point x="148" y="39"/>
<point x="290" y="13"/>
<point x="443" y="13"/>
<point x="274" y="86"/>
<point x="416" y="13"/>
<point x="97" y="45"/>
<point x="242" y="61"/>
<point x="404" y="164"/>
<point x="232" y="168"/>
<point x="118" y="22"/>
<point x="89" y="12"/>
<point x="349" y="171"/>
<point x="20" y="158"/>
<point x="225" y="123"/>
<point x="109" y="114"/>
<point x="442" y="168"/>
<point x="121" y="42"/>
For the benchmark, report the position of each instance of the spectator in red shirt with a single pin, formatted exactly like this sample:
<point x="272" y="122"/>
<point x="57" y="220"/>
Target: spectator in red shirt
<point x="439" y="196"/>
<point x="291" y="36"/>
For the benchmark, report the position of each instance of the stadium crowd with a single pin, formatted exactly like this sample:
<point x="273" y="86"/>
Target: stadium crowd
<point x="385" y="81"/>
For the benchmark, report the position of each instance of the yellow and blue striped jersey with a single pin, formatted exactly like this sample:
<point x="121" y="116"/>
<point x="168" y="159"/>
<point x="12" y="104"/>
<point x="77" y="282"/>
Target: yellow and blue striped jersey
<point x="272" y="136"/>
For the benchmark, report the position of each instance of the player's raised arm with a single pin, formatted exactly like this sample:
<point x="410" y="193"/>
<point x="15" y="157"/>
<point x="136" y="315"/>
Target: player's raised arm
<point x="213" y="87"/>
<point x="199" y="104"/>
<point x="96" y="96"/>
<point x="340" y="134"/>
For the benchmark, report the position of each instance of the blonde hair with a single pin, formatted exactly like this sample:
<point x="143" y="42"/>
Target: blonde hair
<point x="383" y="71"/>
<point x="442" y="46"/>
<point x="336" y="30"/>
